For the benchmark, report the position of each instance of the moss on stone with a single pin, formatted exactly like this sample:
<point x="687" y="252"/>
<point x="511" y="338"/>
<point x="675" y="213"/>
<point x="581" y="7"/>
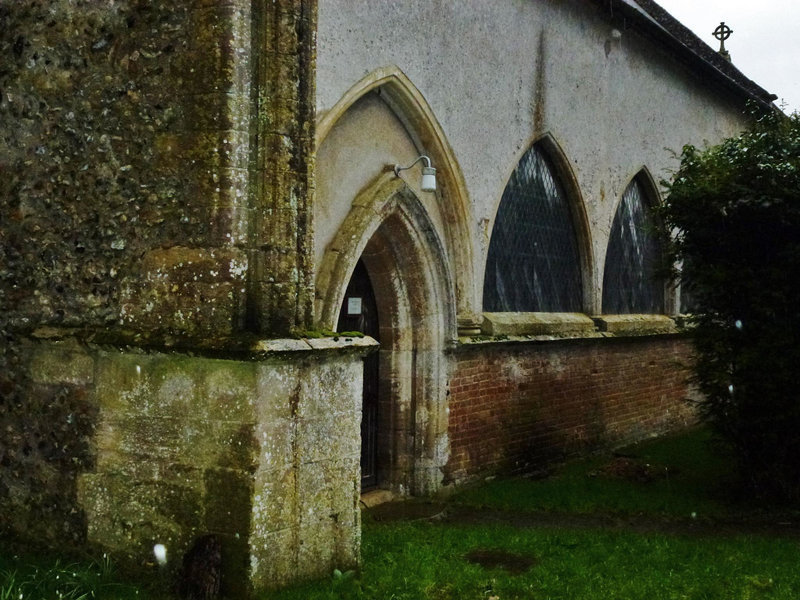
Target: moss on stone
<point x="315" y="334"/>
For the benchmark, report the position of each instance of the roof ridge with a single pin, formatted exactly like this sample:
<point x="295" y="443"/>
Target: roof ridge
<point x="659" y="17"/>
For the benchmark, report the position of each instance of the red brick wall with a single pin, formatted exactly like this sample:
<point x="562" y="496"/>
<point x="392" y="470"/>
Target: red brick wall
<point x="516" y="406"/>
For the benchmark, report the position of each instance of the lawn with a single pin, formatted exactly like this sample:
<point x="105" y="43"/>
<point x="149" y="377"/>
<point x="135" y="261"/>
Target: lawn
<point x="656" y="520"/>
<point x="677" y="476"/>
<point x="50" y="578"/>
<point x="430" y="561"/>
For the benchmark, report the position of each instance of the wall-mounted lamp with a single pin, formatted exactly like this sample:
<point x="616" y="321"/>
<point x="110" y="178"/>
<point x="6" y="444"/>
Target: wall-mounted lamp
<point x="428" y="173"/>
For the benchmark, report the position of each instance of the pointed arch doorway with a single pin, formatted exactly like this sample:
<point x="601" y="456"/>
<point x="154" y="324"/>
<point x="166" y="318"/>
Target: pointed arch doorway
<point x="389" y="245"/>
<point x="359" y="312"/>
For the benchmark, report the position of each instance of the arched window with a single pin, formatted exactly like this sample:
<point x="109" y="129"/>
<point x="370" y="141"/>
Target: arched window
<point x="630" y="281"/>
<point x="534" y="262"/>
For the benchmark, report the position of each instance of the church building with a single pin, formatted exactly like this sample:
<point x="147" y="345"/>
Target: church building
<point x="263" y="257"/>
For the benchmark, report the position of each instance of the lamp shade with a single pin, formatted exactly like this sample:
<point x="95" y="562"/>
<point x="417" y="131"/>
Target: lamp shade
<point x="428" y="179"/>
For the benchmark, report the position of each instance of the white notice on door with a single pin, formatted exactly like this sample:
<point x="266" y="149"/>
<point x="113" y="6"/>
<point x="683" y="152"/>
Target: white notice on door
<point x="354" y="306"/>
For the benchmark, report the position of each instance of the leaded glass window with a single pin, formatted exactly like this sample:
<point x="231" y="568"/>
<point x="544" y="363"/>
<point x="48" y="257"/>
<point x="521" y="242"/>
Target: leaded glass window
<point x="688" y="305"/>
<point x="688" y="302"/>
<point x="630" y="281"/>
<point x="533" y="263"/>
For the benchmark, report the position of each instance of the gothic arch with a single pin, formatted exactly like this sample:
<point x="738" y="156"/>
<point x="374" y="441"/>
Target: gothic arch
<point x="411" y="108"/>
<point x="653" y="192"/>
<point x="646" y="188"/>
<point x="552" y="150"/>
<point x="390" y="231"/>
<point x="649" y="183"/>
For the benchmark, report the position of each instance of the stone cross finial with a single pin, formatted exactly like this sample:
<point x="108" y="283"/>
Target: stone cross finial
<point x="722" y="33"/>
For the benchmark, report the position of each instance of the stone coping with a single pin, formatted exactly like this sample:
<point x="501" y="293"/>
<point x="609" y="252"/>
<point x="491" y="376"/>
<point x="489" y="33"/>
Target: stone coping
<point x="528" y="327"/>
<point x="304" y="344"/>
<point x="245" y="346"/>
<point x="635" y="324"/>
<point x="559" y="324"/>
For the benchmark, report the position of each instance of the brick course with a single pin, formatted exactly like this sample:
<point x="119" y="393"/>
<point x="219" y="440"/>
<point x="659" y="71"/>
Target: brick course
<point x="519" y="406"/>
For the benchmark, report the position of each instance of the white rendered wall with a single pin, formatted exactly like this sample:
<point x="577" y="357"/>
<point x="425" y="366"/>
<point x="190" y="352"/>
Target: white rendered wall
<point x="498" y="74"/>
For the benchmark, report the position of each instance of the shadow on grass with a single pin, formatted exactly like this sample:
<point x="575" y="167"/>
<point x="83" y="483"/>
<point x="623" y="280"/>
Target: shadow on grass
<point x="678" y="475"/>
<point x="656" y="520"/>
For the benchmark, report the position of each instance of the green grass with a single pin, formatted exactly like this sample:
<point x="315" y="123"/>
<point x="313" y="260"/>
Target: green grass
<point x="427" y="561"/>
<point x="690" y="479"/>
<point x="44" y="578"/>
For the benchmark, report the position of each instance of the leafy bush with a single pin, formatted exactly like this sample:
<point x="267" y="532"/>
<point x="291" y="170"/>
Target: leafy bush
<point x="734" y="211"/>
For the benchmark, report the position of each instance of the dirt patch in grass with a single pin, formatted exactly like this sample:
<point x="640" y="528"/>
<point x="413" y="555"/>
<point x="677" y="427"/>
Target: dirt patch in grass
<point x="631" y="469"/>
<point x="407" y="511"/>
<point x="512" y="563"/>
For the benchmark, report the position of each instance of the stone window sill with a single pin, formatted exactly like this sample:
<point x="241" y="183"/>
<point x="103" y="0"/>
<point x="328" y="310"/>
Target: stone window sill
<point x="634" y="325"/>
<point x="546" y="326"/>
<point x="537" y="323"/>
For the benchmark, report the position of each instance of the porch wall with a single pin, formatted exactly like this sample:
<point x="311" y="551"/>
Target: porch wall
<point x="522" y="405"/>
<point x="260" y="449"/>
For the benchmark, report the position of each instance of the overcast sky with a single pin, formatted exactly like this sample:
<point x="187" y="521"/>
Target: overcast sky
<point x="765" y="44"/>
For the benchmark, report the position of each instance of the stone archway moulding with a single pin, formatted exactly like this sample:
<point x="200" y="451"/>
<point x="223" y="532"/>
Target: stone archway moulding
<point x="385" y="196"/>
<point x="389" y="228"/>
<point x="651" y="189"/>
<point x="652" y="197"/>
<point x="410" y="106"/>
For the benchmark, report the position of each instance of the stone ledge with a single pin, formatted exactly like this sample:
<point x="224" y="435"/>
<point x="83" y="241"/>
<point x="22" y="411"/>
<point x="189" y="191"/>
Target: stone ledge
<point x="522" y="328"/>
<point x="242" y="346"/>
<point x="328" y="343"/>
<point x="635" y="325"/>
<point x="556" y="324"/>
<point x="364" y="344"/>
<point x="374" y="498"/>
